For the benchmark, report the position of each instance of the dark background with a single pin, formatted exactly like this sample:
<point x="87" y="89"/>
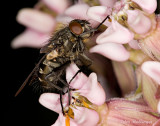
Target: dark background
<point x="16" y="64"/>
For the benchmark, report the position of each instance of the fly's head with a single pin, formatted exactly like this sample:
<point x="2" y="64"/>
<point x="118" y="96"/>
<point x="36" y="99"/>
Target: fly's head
<point x="80" y="28"/>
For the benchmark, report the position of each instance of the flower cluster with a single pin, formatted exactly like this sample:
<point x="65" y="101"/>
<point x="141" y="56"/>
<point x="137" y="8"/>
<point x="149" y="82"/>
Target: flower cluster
<point x="131" y="40"/>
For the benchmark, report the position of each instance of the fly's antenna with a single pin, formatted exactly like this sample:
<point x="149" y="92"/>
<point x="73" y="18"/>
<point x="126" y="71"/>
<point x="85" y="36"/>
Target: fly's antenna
<point x="95" y="29"/>
<point x="102" y="23"/>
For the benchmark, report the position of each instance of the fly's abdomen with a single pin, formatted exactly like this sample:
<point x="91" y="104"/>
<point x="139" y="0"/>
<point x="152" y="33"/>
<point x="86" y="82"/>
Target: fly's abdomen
<point x="52" y="70"/>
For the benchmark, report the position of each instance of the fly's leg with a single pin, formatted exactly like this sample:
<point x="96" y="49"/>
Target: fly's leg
<point x="74" y="76"/>
<point x="57" y="87"/>
<point x="61" y="91"/>
<point x="47" y="79"/>
<point x="83" y="62"/>
<point x="61" y="102"/>
<point x="68" y="89"/>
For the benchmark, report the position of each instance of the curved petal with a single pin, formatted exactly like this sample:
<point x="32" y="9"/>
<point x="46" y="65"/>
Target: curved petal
<point x="152" y="69"/>
<point x="115" y="33"/>
<point x="98" y="13"/>
<point x="134" y="44"/>
<point x="36" y="20"/>
<point x="82" y="116"/>
<point x="148" y="6"/>
<point x="138" y="21"/>
<point x="93" y="90"/>
<point x="30" y="38"/>
<point x="86" y="117"/>
<point x="79" y="81"/>
<point x="51" y="101"/>
<point x="88" y="86"/>
<point x="107" y="3"/>
<point x="64" y="19"/>
<point x="57" y="5"/>
<point x="77" y="11"/>
<point x="112" y="51"/>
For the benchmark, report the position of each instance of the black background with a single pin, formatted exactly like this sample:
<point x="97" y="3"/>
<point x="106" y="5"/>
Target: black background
<point x="16" y="64"/>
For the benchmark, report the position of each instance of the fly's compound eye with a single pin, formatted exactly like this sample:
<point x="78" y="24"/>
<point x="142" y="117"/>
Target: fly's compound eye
<point x="75" y="28"/>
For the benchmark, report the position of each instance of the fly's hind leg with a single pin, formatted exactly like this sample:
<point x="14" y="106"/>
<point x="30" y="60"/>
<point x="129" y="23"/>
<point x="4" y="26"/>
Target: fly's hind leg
<point x="61" y="92"/>
<point x="49" y="80"/>
<point x="68" y="90"/>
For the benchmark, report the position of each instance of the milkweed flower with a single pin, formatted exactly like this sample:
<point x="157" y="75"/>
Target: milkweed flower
<point x="112" y="113"/>
<point x="39" y="21"/>
<point x="85" y="86"/>
<point x="133" y="23"/>
<point x="152" y="69"/>
<point x="132" y="20"/>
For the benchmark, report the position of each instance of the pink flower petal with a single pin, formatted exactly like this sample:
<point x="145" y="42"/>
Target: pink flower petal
<point x="98" y="13"/>
<point x="77" y="11"/>
<point x="51" y="101"/>
<point x="36" y="20"/>
<point x="107" y="3"/>
<point x="93" y="90"/>
<point x="112" y="51"/>
<point x="64" y="19"/>
<point x="122" y="34"/>
<point x="134" y="44"/>
<point x="138" y="21"/>
<point x="86" y="117"/>
<point x="57" y="5"/>
<point x="88" y="87"/>
<point x="79" y="81"/>
<point x="82" y="116"/>
<point x="148" y="6"/>
<point x="152" y="69"/>
<point x="30" y="38"/>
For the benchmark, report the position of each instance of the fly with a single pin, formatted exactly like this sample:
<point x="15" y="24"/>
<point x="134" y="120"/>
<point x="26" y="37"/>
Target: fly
<point x="65" y="47"/>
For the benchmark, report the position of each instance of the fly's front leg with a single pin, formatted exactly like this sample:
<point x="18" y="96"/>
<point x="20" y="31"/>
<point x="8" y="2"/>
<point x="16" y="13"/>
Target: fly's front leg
<point x="83" y="62"/>
<point x="86" y="61"/>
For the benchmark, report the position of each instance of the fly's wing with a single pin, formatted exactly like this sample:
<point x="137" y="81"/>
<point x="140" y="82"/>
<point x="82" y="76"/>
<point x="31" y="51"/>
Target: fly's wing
<point x="30" y="75"/>
<point x="47" y="48"/>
